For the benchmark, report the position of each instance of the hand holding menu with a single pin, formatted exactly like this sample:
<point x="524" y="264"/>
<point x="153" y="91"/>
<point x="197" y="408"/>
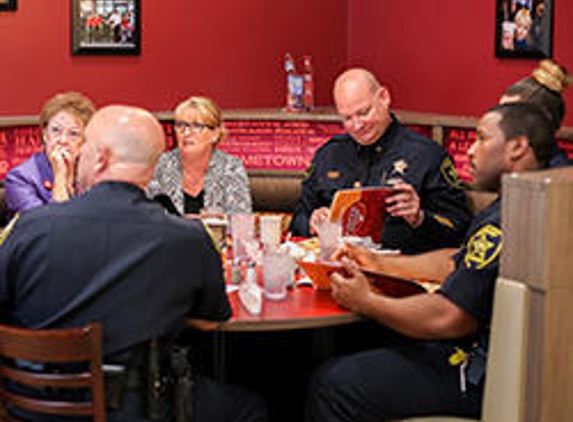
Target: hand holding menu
<point x="319" y="272"/>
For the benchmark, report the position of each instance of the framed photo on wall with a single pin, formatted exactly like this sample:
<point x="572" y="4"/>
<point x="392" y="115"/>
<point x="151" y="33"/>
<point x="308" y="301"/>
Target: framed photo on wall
<point x="8" y="5"/>
<point x="524" y="28"/>
<point x="106" y="27"/>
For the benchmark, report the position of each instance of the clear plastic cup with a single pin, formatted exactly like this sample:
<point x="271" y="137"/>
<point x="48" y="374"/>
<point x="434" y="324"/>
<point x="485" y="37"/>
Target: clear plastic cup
<point x="277" y="274"/>
<point x="242" y="233"/>
<point x="329" y="238"/>
<point x="270" y="231"/>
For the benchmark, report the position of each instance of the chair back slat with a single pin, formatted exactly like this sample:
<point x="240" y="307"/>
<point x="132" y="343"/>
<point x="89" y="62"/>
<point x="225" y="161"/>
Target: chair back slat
<point x="59" y="345"/>
<point x="71" y="380"/>
<point x="35" y="363"/>
<point x="50" y="407"/>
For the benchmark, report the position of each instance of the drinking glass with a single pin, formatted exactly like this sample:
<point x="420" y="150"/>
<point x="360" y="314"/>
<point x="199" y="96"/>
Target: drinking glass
<point x="243" y="234"/>
<point x="277" y="274"/>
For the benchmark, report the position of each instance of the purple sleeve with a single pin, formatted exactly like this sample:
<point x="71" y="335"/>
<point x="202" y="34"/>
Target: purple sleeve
<point x="23" y="192"/>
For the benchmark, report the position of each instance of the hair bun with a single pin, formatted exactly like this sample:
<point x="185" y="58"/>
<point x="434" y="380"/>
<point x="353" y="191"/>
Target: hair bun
<point x="551" y="75"/>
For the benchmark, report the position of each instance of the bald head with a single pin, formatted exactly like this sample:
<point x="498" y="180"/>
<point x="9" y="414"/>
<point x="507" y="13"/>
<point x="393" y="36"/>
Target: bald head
<point x="122" y="144"/>
<point x="363" y="105"/>
<point x="356" y="79"/>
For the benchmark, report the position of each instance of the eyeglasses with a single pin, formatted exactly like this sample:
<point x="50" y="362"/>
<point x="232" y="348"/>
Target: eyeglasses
<point x="58" y="132"/>
<point x="193" y="127"/>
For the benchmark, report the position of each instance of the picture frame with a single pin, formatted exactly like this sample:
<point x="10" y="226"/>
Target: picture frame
<point x="8" y="5"/>
<point x="106" y="27"/>
<point x="524" y="29"/>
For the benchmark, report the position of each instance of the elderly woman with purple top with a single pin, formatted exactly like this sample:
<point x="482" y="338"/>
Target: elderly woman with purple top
<point x="49" y="175"/>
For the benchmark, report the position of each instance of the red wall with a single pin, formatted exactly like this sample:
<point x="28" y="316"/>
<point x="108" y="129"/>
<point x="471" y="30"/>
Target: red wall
<point x="231" y="50"/>
<point x="438" y="56"/>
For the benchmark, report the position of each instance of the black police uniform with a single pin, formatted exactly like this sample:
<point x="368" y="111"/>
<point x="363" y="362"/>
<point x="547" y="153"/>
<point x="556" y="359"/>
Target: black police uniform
<point x="113" y="256"/>
<point x="558" y="157"/>
<point x="399" y="154"/>
<point x="415" y="377"/>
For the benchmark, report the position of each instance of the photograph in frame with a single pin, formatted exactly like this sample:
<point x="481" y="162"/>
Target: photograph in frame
<point x="524" y="28"/>
<point x="8" y="5"/>
<point x="102" y="27"/>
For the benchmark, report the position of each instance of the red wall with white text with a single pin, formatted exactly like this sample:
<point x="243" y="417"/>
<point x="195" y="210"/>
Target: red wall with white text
<point x="438" y="56"/>
<point x="231" y="50"/>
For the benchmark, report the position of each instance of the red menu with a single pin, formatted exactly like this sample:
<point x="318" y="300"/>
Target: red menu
<point x="362" y="211"/>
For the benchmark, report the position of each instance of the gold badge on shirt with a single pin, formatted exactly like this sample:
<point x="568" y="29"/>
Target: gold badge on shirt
<point x="396" y="175"/>
<point x="483" y="247"/>
<point x="450" y="174"/>
<point x="333" y="174"/>
<point x="400" y="167"/>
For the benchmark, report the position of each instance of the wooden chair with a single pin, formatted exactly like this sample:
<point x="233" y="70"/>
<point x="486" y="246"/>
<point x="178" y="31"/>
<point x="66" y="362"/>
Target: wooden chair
<point x="26" y="356"/>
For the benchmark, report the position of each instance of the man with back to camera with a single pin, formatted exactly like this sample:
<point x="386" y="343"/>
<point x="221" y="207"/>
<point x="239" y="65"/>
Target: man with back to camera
<point x="115" y="257"/>
<point x="428" y="209"/>
<point x="438" y="365"/>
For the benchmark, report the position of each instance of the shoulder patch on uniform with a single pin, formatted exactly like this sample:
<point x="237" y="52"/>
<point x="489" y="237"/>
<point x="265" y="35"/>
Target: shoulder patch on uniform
<point x="8" y="229"/>
<point x="309" y="171"/>
<point x="450" y="174"/>
<point x="444" y="221"/>
<point x="483" y="247"/>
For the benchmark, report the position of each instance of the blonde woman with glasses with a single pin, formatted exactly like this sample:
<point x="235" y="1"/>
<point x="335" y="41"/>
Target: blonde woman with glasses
<point x="196" y="175"/>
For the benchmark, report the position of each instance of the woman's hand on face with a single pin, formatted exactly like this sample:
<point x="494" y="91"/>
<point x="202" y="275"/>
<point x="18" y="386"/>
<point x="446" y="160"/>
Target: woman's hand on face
<point x="61" y="160"/>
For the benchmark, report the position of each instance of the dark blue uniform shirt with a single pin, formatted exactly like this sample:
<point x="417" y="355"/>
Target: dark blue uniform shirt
<point x="399" y="154"/>
<point x="472" y="284"/>
<point x="113" y="256"/>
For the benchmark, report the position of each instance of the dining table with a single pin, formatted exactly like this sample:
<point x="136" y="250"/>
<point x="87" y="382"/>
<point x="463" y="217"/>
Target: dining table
<point x="304" y="307"/>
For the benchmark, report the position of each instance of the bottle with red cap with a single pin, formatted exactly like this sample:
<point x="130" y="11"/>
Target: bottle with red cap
<point x="308" y="82"/>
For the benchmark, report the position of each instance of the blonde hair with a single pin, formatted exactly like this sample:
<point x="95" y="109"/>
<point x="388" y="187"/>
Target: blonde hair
<point x="72" y="102"/>
<point x="551" y="75"/>
<point x="523" y="17"/>
<point x="209" y="111"/>
<point x="544" y="89"/>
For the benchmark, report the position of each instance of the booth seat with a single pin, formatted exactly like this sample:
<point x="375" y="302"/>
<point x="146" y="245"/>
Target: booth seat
<point x="279" y="191"/>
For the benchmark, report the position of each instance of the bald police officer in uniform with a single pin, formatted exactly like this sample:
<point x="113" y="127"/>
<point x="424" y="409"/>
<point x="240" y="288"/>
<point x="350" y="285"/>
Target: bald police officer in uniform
<point x="438" y="366"/>
<point x="429" y="208"/>
<point x="113" y="256"/>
